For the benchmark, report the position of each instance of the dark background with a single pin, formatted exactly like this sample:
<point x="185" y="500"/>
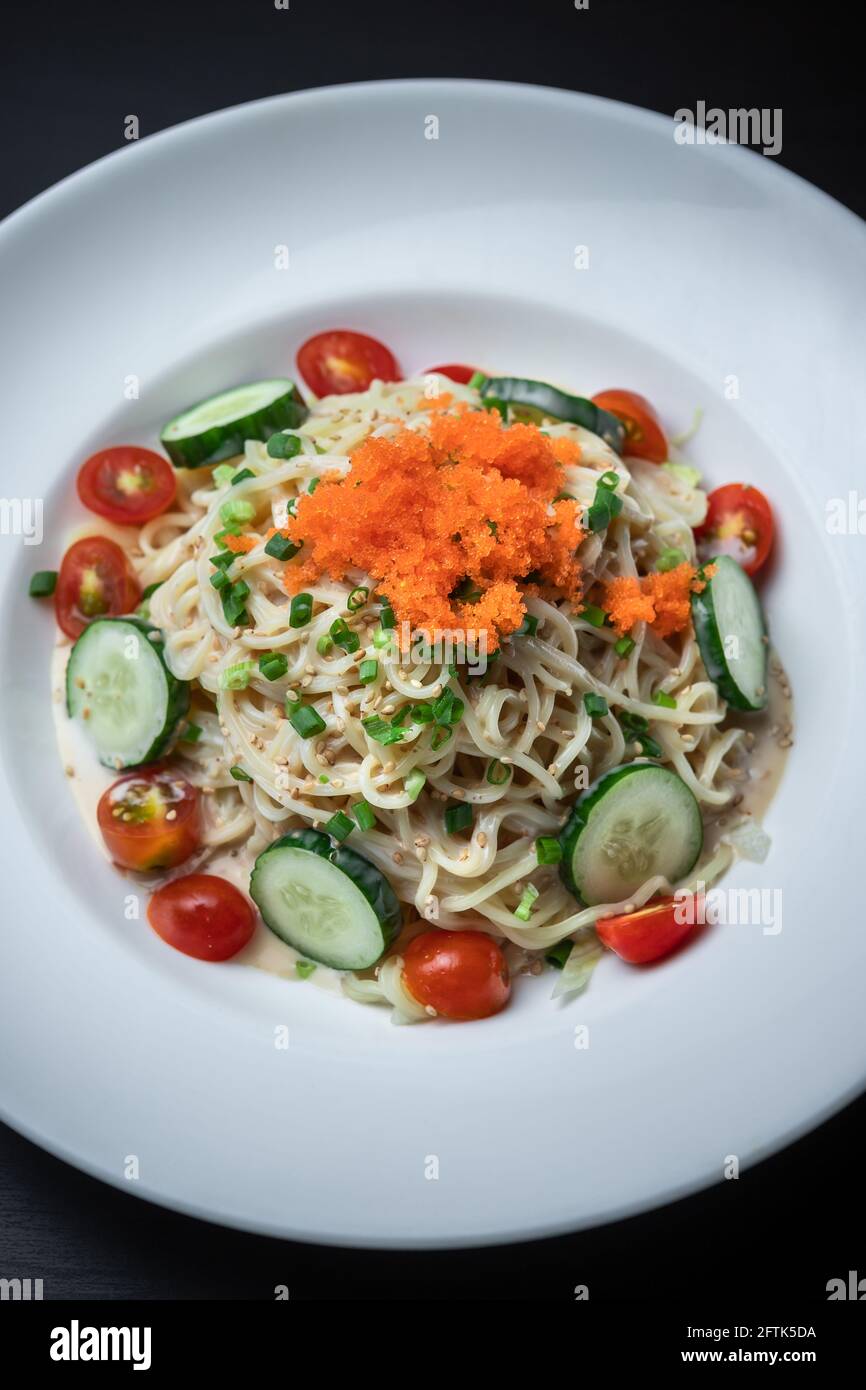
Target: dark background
<point x="72" y="73"/>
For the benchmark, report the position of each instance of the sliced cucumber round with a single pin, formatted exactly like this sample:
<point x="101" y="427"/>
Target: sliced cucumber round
<point x="331" y="905"/>
<point x="540" y="399"/>
<point x="731" y="632"/>
<point x="633" y="823"/>
<point x="119" y="687"/>
<point x="219" y="427"/>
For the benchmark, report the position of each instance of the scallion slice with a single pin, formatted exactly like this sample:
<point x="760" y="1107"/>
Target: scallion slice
<point x="357" y="598"/>
<point x="237" y="510"/>
<point x="595" y="705"/>
<point x="365" y="816"/>
<point x="306" y="721"/>
<point x="497" y="773"/>
<point x="458" y="816"/>
<point x="343" y="635"/>
<point x="339" y="825"/>
<point x="368" y="671"/>
<point x="301" y="610"/>
<point x="548" y="850"/>
<point x="624" y="646"/>
<point x="593" y="615"/>
<point x="236" y="677"/>
<point x="239" y="774"/>
<point x="43" y="583"/>
<point x="661" y="697"/>
<point x="281" y="548"/>
<point x="414" y="783"/>
<point x="522" y="911"/>
<point x="273" y="665"/>
<point x="283" y="446"/>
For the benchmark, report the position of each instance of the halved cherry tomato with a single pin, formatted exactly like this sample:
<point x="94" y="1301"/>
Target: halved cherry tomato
<point x="462" y="974"/>
<point x="150" y="819"/>
<point x="645" y="438"/>
<point x="335" y="363"/>
<point x="94" y="582"/>
<point x="739" y="523"/>
<point x="127" y="484"/>
<point x="454" y="371"/>
<point x="650" y="933"/>
<point x="203" y="916"/>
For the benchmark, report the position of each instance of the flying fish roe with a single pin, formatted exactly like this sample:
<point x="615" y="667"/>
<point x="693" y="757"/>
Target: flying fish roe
<point x="467" y="503"/>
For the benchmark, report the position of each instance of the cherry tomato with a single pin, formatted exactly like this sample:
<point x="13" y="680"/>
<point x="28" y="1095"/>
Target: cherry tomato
<point x="150" y="819"/>
<point x="739" y="523"/>
<point x="338" y="362"/>
<point x="455" y="372"/>
<point x="94" y="582"/>
<point x="650" y="933"/>
<point x="127" y="484"/>
<point x="203" y="916"/>
<point x="462" y="974"/>
<point x="644" y="436"/>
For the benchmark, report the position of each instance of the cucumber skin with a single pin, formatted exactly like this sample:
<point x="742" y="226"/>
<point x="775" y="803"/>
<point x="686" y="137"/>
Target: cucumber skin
<point x="376" y="889"/>
<point x="366" y="877"/>
<point x="226" y="441"/>
<point x="178" y="691"/>
<point x="712" y="651"/>
<point x="579" y="818"/>
<point x="576" y="410"/>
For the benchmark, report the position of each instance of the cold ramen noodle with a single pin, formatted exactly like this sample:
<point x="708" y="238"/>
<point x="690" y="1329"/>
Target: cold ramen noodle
<point x="437" y="681"/>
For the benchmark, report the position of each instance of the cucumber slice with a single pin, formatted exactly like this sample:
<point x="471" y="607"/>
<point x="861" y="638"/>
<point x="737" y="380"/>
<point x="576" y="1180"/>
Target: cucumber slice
<point x="548" y="401"/>
<point x="118" y="685"/>
<point x="331" y="905"/>
<point x="219" y="427"/>
<point x="634" y="822"/>
<point x="731" y="632"/>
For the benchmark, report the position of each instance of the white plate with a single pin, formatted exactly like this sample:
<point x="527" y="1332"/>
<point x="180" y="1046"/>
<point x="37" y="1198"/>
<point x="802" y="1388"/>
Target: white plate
<point x="705" y="264"/>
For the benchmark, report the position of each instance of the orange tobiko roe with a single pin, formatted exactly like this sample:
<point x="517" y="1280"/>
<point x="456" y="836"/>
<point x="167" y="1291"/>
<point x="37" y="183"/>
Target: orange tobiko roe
<point x="662" y="600"/>
<point x="420" y="512"/>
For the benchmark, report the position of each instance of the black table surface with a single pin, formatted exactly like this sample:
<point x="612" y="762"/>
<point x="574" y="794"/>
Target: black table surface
<point x="72" y="74"/>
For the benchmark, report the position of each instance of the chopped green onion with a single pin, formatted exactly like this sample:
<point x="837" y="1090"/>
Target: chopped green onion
<point x="476" y="381"/>
<point x="234" y="611"/>
<point x="530" y="893"/>
<point x="43" y="583"/>
<point x="669" y="559"/>
<point x="340" y="826"/>
<point x="414" y="783"/>
<point x="458" y="816"/>
<point x="283" y="446"/>
<point x="273" y="665"/>
<point x="344" y="636"/>
<point x="662" y="698"/>
<point x="219" y="579"/>
<point x="528" y="627"/>
<point x="242" y="476"/>
<point x="292" y="698"/>
<point x="381" y="638"/>
<point x="301" y="610"/>
<point x="606" y="504"/>
<point x="236" y="677"/>
<point x="239" y="774"/>
<point x="421" y="714"/>
<point x="220" y="536"/>
<point x="634" y="726"/>
<point x="323" y="777"/>
<point x="191" y="734"/>
<point x="364" y="814"/>
<point x="557" y="955"/>
<point x="368" y="671"/>
<point x="357" y="598"/>
<point x="448" y="709"/>
<point x="281" y="548"/>
<point x="307" y="721"/>
<point x="548" y="850"/>
<point x="441" y="735"/>
<point x="467" y="591"/>
<point x="305" y="968"/>
<point x="497" y="773"/>
<point x="223" y="473"/>
<point x="381" y="731"/>
<point x="593" y="615"/>
<point x="387" y="619"/>
<point x="237" y="509"/>
<point x="624" y="646"/>
<point x="595" y="705"/>
<point x="314" y="483"/>
<point x="401" y="716"/>
<point x="324" y="645"/>
<point x="225" y="560"/>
